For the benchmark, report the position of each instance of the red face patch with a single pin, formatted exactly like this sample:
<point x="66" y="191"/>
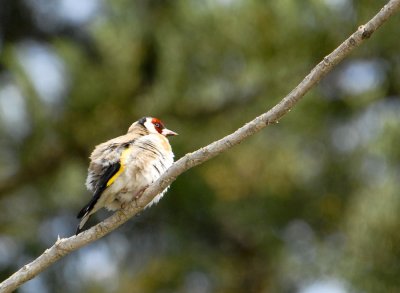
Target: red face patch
<point x="158" y="125"/>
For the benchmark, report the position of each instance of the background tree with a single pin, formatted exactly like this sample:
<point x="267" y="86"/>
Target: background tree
<point x="311" y="202"/>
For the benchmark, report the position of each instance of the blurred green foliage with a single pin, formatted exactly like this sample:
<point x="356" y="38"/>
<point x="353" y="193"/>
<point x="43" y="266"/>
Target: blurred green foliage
<point x="308" y="205"/>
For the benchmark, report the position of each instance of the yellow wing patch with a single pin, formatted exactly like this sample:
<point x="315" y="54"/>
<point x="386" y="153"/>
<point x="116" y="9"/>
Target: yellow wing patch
<point x="122" y="161"/>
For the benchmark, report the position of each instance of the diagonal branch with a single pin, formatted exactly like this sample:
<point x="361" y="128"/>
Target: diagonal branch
<point x="65" y="246"/>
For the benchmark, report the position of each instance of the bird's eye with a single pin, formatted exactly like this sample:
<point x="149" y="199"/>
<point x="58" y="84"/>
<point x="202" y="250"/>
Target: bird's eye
<point x="157" y="125"/>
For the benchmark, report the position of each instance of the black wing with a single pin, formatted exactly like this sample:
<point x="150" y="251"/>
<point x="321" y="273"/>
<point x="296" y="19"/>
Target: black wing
<point x="102" y="185"/>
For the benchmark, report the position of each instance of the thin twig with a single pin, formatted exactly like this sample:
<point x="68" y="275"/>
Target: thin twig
<point x="64" y="246"/>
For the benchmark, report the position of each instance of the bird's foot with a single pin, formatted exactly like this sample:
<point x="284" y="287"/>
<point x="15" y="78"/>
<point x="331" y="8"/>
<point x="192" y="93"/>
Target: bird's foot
<point x="140" y="192"/>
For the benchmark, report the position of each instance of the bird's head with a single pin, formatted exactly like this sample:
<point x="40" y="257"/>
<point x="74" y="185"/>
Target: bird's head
<point x="155" y="125"/>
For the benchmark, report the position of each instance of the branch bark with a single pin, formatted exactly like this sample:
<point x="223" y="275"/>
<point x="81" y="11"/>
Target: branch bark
<point x="65" y="246"/>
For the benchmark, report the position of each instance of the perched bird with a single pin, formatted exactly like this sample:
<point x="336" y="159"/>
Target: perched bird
<point x="122" y="168"/>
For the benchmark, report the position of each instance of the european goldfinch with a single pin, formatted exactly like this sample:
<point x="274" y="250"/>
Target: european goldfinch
<point x="122" y="168"/>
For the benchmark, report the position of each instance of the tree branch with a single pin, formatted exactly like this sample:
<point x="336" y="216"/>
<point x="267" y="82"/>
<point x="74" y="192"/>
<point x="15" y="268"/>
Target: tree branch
<point x="64" y="246"/>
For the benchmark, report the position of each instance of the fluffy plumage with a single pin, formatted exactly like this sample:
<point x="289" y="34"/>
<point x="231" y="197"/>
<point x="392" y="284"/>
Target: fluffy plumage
<point x="122" y="168"/>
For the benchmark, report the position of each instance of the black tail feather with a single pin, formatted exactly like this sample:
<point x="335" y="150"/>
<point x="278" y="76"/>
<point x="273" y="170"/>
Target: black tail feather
<point x="85" y="212"/>
<point x="78" y="230"/>
<point x="84" y="216"/>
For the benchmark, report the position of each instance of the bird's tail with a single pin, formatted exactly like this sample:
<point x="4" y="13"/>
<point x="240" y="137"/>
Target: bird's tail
<point x="82" y="223"/>
<point x="88" y="209"/>
<point x="84" y="215"/>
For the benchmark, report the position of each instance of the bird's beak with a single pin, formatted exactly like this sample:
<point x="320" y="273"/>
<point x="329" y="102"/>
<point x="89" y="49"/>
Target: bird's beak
<point x="167" y="132"/>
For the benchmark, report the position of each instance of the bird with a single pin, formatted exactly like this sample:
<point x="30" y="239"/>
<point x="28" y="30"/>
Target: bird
<point x="122" y="168"/>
